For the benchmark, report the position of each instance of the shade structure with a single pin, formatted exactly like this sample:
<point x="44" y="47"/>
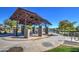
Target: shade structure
<point x="23" y="15"/>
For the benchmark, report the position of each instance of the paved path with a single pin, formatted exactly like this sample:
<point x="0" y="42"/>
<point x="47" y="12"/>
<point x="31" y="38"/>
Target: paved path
<point x="37" y="45"/>
<point x="71" y="43"/>
<point x="32" y="45"/>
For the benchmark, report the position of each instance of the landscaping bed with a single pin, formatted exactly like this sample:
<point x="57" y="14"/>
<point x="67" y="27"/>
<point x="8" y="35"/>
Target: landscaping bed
<point x="64" y="48"/>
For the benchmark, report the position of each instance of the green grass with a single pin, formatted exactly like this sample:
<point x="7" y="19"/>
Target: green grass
<point x="64" y="48"/>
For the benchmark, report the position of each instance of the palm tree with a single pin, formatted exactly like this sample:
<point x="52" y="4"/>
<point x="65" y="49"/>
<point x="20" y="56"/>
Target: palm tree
<point x="12" y="24"/>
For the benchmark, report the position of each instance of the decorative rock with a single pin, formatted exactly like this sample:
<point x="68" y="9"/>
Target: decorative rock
<point x="15" y="49"/>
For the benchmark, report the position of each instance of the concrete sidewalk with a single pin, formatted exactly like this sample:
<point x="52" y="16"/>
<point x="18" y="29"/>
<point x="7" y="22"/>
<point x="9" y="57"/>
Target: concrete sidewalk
<point x="32" y="45"/>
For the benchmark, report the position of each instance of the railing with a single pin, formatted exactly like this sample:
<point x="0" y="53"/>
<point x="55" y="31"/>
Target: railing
<point x="74" y="35"/>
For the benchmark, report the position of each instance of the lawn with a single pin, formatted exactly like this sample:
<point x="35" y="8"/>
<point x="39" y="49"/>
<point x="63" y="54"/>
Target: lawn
<point x="64" y="48"/>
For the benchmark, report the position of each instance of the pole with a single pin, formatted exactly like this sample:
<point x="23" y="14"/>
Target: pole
<point x="40" y="30"/>
<point x="46" y="29"/>
<point x="17" y="28"/>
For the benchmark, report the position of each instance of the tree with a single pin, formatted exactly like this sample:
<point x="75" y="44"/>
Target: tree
<point x="77" y="28"/>
<point x="1" y="28"/>
<point x="66" y="25"/>
<point x="13" y="24"/>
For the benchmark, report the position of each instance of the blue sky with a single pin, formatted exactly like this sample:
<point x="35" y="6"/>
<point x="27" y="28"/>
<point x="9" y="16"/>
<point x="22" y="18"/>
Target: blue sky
<point x="52" y="14"/>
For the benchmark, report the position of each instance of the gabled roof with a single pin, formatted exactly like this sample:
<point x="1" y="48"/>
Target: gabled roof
<point x="23" y="15"/>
